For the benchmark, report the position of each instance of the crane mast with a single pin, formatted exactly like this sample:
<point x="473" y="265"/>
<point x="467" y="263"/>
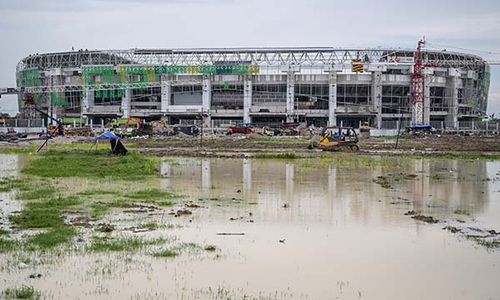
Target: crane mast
<point x="417" y="87"/>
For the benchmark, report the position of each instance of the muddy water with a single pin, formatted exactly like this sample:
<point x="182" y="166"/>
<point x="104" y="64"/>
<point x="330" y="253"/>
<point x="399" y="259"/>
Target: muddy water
<point x="312" y="230"/>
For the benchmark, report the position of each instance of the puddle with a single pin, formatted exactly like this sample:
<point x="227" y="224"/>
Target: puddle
<point x="9" y="168"/>
<point x="301" y="229"/>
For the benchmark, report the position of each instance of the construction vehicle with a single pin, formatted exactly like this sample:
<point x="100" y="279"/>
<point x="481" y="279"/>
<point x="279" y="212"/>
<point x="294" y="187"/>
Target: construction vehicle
<point x="242" y="129"/>
<point x="132" y="127"/>
<point x="132" y="120"/>
<point x="337" y="139"/>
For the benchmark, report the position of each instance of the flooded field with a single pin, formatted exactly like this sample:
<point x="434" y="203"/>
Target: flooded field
<point x="347" y="227"/>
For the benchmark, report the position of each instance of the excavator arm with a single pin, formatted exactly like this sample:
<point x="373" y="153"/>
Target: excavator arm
<point x="132" y="119"/>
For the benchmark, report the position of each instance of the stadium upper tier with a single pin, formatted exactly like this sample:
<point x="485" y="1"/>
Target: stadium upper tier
<point x="242" y="56"/>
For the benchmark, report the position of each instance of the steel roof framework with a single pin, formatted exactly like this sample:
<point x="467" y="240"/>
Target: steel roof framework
<point x="258" y="56"/>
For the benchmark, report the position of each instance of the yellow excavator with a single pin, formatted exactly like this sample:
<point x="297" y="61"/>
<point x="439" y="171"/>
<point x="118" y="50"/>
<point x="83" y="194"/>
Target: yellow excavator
<point x="337" y="139"/>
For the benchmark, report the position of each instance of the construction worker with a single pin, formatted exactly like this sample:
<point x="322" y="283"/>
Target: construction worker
<point x="115" y="123"/>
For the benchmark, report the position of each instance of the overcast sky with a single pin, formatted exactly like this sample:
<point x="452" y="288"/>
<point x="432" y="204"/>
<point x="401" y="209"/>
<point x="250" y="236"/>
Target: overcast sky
<point x="31" y="26"/>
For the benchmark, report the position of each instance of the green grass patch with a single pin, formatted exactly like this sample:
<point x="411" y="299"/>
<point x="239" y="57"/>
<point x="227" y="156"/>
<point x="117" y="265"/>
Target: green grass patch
<point x="7" y="245"/>
<point x="23" y="292"/>
<point x="122" y="244"/>
<point x="166" y="253"/>
<point x="151" y="194"/>
<point x="95" y="164"/>
<point x="31" y="218"/>
<point x="286" y="155"/>
<point x="18" y="149"/>
<point x="44" y="214"/>
<point x="9" y="184"/>
<point x="3" y="231"/>
<point x="192" y="248"/>
<point x="150" y="225"/>
<point x="98" y="192"/>
<point x="164" y="203"/>
<point x="28" y="188"/>
<point x="37" y="193"/>
<point x="79" y="146"/>
<point x="97" y="210"/>
<point x="53" y="237"/>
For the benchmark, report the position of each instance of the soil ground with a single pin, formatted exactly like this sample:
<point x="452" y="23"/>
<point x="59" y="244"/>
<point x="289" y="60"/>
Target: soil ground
<point x="241" y="146"/>
<point x="228" y="146"/>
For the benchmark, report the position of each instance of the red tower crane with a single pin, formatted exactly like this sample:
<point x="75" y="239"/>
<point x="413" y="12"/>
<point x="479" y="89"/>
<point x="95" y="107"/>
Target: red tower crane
<point x="417" y="86"/>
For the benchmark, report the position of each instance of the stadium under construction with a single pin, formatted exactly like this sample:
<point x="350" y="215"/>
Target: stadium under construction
<point x="320" y="86"/>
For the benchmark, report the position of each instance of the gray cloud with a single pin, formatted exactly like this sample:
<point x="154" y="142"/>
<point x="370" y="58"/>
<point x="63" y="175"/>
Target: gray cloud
<point x="30" y="26"/>
<point x="83" y="5"/>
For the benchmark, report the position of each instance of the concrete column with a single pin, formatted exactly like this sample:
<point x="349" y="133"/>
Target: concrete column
<point x="126" y="103"/>
<point x="166" y="87"/>
<point x="427" y="100"/>
<point x="377" y="96"/>
<point x="452" y="97"/>
<point x="290" y="95"/>
<point x="206" y="99"/>
<point x="87" y="101"/>
<point x="247" y="99"/>
<point x="332" y="99"/>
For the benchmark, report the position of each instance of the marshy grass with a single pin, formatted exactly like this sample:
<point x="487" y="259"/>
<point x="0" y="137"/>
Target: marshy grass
<point x="166" y="253"/>
<point x="7" y="245"/>
<point x="52" y="238"/>
<point x="9" y="184"/>
<point x="268" y="155"/>
<point x="98" y="192"/>
<point x="164" y="203"/>
<point x="37" y="193"/>
<point x="23" y="292"/>
<point x="98" y="209"/>
<point x="151" y="194"/>
<point x="488" y="244"/>
<point x="191" y="248"/>
<point x="46" y="215"/>
<point x="52" y="164"/>
<point x="129" y="244"/>
<point x="149" y="225"/>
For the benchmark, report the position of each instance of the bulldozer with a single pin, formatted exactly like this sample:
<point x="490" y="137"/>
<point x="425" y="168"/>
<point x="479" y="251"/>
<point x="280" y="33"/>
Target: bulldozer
<point x="337" y="139"/>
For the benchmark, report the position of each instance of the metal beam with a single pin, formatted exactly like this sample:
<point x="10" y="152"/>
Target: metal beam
<point x="257" y="56"/>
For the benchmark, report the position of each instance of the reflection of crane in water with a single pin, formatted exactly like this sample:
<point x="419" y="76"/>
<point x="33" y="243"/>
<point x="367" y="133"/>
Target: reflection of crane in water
<point x="421" y="167"/>
<point x="419" y="186"/>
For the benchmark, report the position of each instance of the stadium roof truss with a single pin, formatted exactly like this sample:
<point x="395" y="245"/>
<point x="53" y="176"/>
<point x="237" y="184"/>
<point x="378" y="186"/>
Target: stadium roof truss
<point x="258" y="56"/>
